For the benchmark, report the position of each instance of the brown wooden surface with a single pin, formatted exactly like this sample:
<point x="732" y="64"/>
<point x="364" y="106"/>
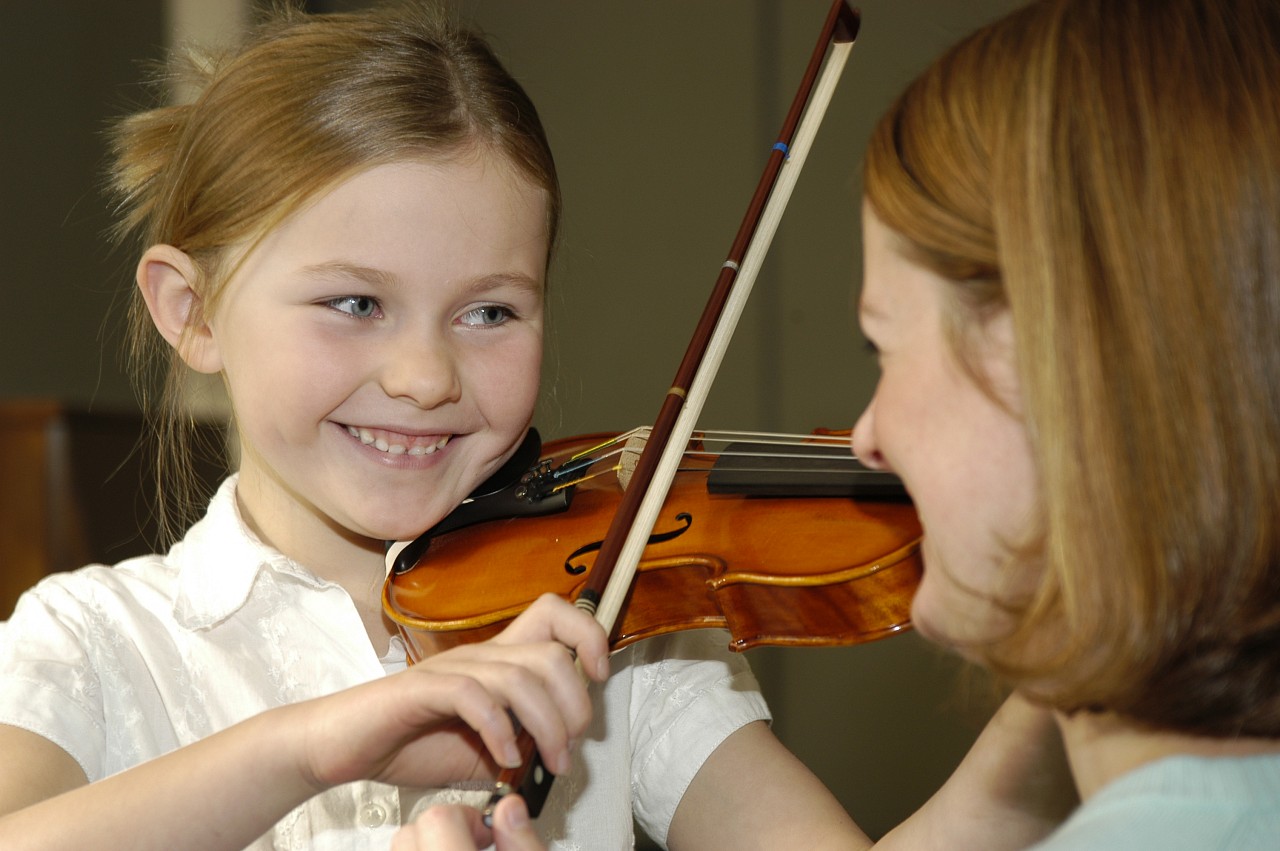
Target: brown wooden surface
<point x="771" y="570"/>
<point x="24" y="442"/>
<point x="72" y="492"/>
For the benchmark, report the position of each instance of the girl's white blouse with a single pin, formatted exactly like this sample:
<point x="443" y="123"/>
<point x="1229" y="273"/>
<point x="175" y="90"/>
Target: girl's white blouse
<point x="117" y="665"/>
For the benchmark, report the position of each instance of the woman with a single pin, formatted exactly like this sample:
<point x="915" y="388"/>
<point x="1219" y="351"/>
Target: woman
<point x="1081" y="203"/>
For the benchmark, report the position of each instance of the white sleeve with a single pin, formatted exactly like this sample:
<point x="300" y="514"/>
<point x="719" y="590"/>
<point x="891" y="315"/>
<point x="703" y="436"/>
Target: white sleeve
<point x="689" y="692"/>
<point x="49" y="684"/>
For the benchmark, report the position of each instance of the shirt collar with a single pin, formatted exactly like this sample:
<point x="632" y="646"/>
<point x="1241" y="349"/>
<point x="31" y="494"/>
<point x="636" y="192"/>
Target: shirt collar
<point x="219" y="561"/>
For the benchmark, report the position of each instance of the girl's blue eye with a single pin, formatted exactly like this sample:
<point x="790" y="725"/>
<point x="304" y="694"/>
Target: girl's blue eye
<point x="489" y="314"/>
<point x="359" y="306"/>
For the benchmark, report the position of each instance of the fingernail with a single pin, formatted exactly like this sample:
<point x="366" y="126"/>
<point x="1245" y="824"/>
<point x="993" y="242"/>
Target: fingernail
<point x="516" y="813"/>
<point x="602" y="668"/>
<point x="511" y="756"/>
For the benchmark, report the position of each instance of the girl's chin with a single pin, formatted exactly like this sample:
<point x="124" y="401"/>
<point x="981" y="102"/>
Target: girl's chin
<point x="375" y="532"/>
<point x="383" y="531"/>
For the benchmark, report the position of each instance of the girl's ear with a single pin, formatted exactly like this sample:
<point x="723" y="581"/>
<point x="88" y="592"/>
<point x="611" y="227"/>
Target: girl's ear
<point x="167" y="278"/>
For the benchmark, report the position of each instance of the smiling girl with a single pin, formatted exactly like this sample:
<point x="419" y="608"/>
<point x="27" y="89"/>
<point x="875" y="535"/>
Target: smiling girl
<point x="352" y="226"/>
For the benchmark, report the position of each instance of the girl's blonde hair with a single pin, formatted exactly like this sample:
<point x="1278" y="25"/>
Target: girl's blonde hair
<point x="1109" y="172"/>
<point x="305" y="102"/>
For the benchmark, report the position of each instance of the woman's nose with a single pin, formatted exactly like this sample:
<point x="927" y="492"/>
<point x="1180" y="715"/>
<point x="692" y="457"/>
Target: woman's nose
<point x="863" y="441"/>
<point x="422" y="370"/>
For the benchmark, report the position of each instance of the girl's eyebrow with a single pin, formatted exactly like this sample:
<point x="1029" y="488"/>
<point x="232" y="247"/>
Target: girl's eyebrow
<point x="534" y="286"/>
<point x="337" y="270"/>
<point x="354" y="272"/>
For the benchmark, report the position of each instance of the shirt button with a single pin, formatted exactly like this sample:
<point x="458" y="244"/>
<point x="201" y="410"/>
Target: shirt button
<point x="372" y="815"/>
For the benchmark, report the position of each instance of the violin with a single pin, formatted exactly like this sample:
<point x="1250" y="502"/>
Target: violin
<point x="766" y="564"/>
<point x="779" y="540"/>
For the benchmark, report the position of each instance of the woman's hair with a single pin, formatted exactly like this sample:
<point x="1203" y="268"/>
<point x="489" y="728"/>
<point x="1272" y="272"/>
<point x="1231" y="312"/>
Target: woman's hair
<point x="1109" y="172"/>
<point x="306" y="102"/>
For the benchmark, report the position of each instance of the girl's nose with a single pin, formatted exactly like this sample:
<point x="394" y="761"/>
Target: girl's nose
<point x="422" y="371"/>
<point x="863" y="441"/>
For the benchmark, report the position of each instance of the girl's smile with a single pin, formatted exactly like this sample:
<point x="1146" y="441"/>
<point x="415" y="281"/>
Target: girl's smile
<point x="395" y="443"/>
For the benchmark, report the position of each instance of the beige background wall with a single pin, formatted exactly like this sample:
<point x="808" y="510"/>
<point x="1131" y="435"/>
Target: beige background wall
<point x="662" y="114"/>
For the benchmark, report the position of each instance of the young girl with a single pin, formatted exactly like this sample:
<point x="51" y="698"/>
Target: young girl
<point x="1072" y="282"/>
<point x="352" y="226"/>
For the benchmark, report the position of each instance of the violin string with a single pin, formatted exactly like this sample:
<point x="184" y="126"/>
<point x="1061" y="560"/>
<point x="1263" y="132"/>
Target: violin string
<point x="736" y="453"/>
<point x="618" y="449"/>
<point x="757" y="437"/>
<point x="585" y="477"/>
<point x="773" y="437"/>
<point x="766" y="437"/>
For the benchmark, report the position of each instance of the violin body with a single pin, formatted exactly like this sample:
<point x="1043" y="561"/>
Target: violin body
<point x="780" y="570"/>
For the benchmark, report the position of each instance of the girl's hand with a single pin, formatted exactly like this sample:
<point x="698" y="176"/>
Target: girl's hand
<point x="434" y="723"/>
<point x="449" y="717"/>
<point x="458" y="828"/>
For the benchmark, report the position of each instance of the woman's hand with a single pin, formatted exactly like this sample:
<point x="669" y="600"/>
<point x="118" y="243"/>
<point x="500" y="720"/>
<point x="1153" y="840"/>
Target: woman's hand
<point x="449" y="717"/>
<point x="458" y="828"/>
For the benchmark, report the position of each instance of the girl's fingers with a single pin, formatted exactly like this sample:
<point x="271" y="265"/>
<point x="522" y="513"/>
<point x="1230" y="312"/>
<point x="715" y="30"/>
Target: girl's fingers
<point x="527" y="673"/>
<point x="551" y="723"/>
<point x="531" y="667"/>
<point x="421" y="729"/>
<point x="491" y="721"/>
<point x="551" y="618"/>
<point x="537" y="684"/>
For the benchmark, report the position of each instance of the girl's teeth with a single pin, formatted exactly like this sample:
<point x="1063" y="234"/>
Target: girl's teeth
<point x="366" y="437"/>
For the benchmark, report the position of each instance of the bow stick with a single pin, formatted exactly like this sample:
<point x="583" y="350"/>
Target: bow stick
<point x="633" y="523"/>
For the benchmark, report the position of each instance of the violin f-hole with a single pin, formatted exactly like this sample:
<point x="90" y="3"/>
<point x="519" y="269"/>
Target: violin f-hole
<point x="656" y="538"/>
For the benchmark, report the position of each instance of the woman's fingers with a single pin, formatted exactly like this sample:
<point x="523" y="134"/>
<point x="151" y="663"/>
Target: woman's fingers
<point x="443" y="828"/>
<point x="512" y="830"/>
<point x="458" y="828"/>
